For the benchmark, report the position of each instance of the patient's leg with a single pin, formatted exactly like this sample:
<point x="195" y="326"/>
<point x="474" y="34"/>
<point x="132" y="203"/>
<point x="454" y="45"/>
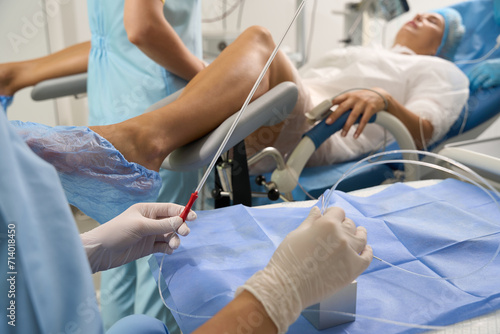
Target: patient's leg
<point x="95" y="176"/>
<point x="18" y="75"/>
<point x="212" y="96"/>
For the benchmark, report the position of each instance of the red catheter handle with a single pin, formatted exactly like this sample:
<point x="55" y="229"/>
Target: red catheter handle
<point x="188" y="206"/>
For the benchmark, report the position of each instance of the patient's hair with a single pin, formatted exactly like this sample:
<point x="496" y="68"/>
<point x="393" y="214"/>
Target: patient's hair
<point x="453" y="33"/>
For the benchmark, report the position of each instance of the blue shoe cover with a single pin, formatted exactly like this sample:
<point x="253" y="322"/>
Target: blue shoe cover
<point x="5" y="101"/>
<point x="95" y="176"/>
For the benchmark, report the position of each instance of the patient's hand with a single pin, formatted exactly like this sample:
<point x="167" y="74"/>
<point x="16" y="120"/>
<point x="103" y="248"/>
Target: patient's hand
<point x="364" y="103"/>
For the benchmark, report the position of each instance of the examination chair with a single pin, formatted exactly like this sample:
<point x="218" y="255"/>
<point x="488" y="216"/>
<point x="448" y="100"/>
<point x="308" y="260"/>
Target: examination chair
<point x="235" y="187"/>
<point x="269" y="109"/>
<point x="481" y="108"/>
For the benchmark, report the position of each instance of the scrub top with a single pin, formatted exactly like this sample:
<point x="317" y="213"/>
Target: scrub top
<point x="122" y="80"/>
<point x="46" y="284"/>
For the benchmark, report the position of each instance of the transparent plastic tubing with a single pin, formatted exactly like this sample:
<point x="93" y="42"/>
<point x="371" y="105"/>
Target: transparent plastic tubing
<point x="356" y="167"/>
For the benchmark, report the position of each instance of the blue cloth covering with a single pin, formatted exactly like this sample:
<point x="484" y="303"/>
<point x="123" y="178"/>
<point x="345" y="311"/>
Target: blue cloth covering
<point x="52" y="281"/>
<point x="5" y="102"/>
<point x="449" y="229"/>
<point x="95" y="176"/>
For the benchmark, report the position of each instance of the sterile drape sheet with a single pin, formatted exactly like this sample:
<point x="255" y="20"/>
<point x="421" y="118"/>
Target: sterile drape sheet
<point x="449" y="229"/>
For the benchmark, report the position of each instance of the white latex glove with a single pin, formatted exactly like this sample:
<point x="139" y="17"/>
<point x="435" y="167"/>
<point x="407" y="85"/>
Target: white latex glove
<point x="324" y="254"/>
<point x="141" y="230"/>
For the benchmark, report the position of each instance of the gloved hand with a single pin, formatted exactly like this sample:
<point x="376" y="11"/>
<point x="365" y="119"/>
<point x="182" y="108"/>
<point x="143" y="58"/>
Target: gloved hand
<point x="485" y="74"/>
<point x="312" y="263"/>
<point x="141" y="230"/>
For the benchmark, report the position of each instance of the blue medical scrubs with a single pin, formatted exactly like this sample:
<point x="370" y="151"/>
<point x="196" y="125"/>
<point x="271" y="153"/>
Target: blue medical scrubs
<point x="122" y="83"/>
<point x="46" y="283"/>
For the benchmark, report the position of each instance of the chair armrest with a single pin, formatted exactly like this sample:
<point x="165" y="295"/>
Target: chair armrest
<point x="59" y="87"/>
<point x="405" y="142"/>
<point x="286" y="179"/>
<point x="269" y="109"/>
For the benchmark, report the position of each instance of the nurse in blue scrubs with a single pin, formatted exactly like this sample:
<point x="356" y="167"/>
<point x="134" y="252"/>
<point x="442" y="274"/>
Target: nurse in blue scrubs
<point x="142" y="51"/>
<point x="46" y="257"/>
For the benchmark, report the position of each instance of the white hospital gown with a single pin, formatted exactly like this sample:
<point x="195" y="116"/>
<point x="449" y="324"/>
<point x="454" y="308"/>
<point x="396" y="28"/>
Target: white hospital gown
<point x="428" y="86"/>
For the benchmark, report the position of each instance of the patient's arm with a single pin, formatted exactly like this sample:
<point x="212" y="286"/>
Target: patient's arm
<point x="18" y="75"/>
<point x="148" y="29"/>
<point x="366" y="103"/>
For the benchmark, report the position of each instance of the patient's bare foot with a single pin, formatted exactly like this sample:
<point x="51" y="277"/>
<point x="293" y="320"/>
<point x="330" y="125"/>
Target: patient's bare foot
<point x="137" y="143"/>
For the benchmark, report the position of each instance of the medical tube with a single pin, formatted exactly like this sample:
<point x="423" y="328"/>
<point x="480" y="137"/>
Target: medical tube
<point x="359" y="166"/>
<point x="374" y="160"/>
<point x="486" y="56"/>
<point x="352" y="170"/>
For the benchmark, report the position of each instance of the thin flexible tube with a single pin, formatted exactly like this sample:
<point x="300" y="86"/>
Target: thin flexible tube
<point x="247" y="102"/>
<point x="163" y="299"/>
<point x="311" y="32"/>
<point x="416" y="152"/>
<point x="392" y="322"/>
<point x="354" y="169"/>
<point x="474" y="61"/>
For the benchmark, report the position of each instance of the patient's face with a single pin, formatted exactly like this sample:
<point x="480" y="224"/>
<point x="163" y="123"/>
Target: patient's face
<point x="423" y="34"/>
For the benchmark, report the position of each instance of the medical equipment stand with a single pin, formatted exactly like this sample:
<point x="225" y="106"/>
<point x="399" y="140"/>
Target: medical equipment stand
<point x="232" y="172"/>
